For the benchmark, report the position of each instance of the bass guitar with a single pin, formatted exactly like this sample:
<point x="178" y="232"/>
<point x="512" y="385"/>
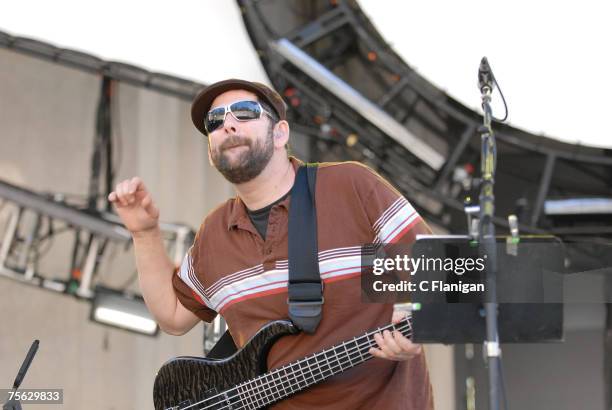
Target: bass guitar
<point x="242" y="381"/>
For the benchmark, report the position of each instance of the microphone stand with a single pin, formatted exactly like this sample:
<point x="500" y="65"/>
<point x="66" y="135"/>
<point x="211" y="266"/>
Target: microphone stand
<point x="14" y="404"/>
<point x="488" y="245"/>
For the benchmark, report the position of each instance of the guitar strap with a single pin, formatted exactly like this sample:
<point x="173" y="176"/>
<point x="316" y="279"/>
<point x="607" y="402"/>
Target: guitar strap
<point x="305" y="287"/>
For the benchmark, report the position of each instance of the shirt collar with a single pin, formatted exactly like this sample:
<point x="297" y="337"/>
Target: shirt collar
<point x="238" y="213"/>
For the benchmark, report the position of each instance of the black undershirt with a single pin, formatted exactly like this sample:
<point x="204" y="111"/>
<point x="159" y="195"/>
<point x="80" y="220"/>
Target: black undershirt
<point x="259" y="217"/>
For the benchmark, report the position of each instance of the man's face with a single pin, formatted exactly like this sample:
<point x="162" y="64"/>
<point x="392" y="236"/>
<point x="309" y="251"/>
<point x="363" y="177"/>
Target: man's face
<point x="240" y="150"/>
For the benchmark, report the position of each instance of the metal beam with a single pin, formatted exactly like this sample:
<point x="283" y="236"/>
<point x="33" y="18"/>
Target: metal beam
<point x="72" y="216"/>
<point x="322" y="26"/>
<point x="358" y="102"/>
<point x="136" y="76"/>
<point x="543" y="190"/>
<point x="454" y="157"/>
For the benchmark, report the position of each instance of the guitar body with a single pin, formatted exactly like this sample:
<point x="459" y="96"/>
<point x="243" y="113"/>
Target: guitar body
<point x="184" y="381"/>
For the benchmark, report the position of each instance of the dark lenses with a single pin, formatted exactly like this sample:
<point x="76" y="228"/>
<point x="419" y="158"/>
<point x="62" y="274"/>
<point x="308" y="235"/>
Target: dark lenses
<point x="246" y="110"/>
<point x="214" y="119"/>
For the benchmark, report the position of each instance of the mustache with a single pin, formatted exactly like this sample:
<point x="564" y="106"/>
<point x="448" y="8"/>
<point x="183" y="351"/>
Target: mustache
<point x="234" y="141"/>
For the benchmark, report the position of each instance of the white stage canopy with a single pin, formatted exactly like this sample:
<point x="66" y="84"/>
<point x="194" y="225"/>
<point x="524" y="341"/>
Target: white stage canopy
<point x="199" y="40"/>
<point x="550" y="58"/>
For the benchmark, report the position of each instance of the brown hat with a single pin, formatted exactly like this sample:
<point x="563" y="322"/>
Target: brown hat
<point x="201" y="103"/>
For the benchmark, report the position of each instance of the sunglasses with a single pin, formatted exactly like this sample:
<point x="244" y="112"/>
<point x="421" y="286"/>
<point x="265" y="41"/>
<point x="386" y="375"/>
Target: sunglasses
<point x="241" y="110"/>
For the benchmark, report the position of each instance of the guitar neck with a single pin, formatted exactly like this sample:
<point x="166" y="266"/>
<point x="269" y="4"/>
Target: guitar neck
<point x="296" y="376"/>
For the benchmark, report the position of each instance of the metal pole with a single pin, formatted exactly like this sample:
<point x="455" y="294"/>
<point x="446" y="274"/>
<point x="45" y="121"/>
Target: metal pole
<point x="489" y="247"/>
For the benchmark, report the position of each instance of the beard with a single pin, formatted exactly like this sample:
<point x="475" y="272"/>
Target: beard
<point x="247" y="164"/>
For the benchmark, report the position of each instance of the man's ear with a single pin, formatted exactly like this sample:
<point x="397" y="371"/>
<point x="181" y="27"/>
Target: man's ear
<point x="281" y="133"/>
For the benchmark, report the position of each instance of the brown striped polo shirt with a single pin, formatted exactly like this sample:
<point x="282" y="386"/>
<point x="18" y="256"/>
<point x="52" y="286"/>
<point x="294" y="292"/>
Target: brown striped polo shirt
<point x="232" y="271"/>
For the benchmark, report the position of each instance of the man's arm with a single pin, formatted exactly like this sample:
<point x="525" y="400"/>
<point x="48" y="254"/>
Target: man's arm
<point x="155" y="272"/>
<point x="140" y="216"/>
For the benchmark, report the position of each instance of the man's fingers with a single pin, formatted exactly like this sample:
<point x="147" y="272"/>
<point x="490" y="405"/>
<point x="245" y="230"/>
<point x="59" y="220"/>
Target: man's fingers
<point x="398" y="316"/>
<point x="128" y="192"/>
<point x="117" y="193"/>
<point x="130" y="189"/>
<point x="135" y="184"/>
<point x="406" y="344"/>
<point x="394" y="346"/>
<point x="149" y="206"/>
<point x="137" y="189"/>
<point x="391" y="344"/>
<point x="383" y="345"/>
<point x="377" y="353"/>
<point x="146" y="201"/>
<point x="122" y="192"/>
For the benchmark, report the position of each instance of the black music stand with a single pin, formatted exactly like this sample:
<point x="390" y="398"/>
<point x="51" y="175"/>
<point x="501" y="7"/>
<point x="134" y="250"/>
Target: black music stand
<point x="529" y="292"/>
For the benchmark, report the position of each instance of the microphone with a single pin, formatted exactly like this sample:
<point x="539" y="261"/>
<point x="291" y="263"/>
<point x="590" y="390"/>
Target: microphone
<point x="485" y="76"/>
<point x="14" y="404"/>
<point x="26" y="364"/>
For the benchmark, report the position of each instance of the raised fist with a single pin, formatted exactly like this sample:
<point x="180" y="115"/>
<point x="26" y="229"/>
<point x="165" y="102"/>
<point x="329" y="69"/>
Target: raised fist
<point x="135" y="206"/>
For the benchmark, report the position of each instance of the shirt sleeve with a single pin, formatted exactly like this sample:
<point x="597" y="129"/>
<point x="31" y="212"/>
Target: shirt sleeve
<point x="395" y="224"/>
<point x="189" y="288"/>
<point x="393" y="219"/>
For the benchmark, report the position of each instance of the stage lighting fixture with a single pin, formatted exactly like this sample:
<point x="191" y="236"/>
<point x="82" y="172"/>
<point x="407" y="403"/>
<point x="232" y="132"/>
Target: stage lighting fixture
<point x="127" y="312"/>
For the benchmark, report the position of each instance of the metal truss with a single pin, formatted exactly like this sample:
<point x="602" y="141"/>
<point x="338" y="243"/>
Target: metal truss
<point x="32" y="218"/>
<point x="32" y="221"/>
<point x="329" y="62"/>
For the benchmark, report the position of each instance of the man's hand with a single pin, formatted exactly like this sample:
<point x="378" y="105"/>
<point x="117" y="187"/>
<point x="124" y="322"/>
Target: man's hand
<point x="135" y="206"/>
<point x="393" y="345"/>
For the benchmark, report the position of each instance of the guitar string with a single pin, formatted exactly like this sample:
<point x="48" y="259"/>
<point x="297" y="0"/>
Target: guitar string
<point x="295" y="378"/>
<point x="335" y="362"/>
<point x="294" y="374"/>
<point x="352" y="357"/>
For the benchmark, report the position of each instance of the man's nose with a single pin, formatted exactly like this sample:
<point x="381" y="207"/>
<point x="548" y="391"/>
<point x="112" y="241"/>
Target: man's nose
<point x="230" y="123"/>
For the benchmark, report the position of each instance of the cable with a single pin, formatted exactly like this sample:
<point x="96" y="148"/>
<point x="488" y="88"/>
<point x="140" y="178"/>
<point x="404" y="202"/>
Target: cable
<point x="503" y="99"/>
<point x="116" y="128"/>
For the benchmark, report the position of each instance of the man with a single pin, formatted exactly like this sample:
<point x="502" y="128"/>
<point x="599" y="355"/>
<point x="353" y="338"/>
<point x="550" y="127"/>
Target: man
<point x="238" y="264"/>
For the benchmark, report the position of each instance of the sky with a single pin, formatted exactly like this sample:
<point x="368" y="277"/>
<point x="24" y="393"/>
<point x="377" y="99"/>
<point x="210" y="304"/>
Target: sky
<point x="551" y="59"/>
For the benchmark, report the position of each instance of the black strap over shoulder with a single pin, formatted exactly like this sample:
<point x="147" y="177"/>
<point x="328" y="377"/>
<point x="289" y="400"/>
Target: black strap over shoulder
<point x="305" y="287"/>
